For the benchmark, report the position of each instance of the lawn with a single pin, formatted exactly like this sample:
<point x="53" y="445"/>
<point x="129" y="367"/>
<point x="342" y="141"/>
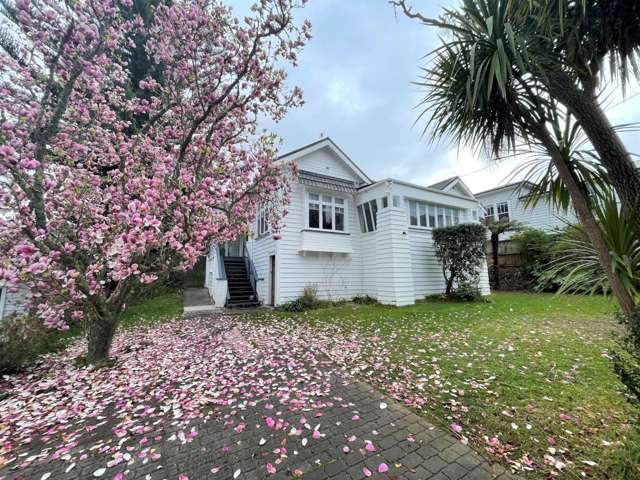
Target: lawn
<point x="524" y="379"/>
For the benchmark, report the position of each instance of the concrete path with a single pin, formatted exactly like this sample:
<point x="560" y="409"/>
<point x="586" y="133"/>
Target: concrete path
<point x="197" y="301"/>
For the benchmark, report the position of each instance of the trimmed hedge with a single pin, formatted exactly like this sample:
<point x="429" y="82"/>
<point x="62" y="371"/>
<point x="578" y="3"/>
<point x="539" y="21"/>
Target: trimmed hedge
<point x="460" y="249"/>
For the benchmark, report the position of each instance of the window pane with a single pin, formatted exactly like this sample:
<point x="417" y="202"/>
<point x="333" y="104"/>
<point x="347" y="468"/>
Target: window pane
<point x="488" y="212"/>
<point x="314" y="215"/>
<point x="423" y="214"/>
<point x="339" y="201"/>
<point x="396" y="201"/>
<point x="456" y="216"/>
<point x="385" y="202"/>
<point x="327" y="217"/>
<point x="449" y="215"/>
<point x="503" y="210"/>
<point x="413" y="213"/>
<point x="363" y="227"/>
<point x="326" y="199"/>
<point x="314" y="196"/>
<point x="340" y="219"/>
<point x="374" y="213"/>
<point x="367" y="214"/>
<point x="432" y="216"/>
<point x="440" y="217"/>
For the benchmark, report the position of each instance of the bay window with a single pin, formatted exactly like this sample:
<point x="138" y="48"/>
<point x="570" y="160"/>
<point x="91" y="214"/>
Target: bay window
<point x="326" y="212"/>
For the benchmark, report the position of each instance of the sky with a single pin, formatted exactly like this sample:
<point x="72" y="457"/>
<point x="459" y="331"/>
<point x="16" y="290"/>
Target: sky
<point x="357" y="73"/>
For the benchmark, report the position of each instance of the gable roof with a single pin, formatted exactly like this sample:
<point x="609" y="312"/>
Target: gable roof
<point x="450" y="183"/>
<point x="524" y="183"/>
<point x="443" y="183"/>
<point x="326" y="142"/>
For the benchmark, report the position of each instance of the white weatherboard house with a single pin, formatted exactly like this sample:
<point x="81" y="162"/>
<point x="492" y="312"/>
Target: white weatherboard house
<point x="344" y="235"/>
<point x="508" y="201"/>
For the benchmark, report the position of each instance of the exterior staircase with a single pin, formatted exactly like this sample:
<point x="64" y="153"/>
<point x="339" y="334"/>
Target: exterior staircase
<point x="241" y="291"/>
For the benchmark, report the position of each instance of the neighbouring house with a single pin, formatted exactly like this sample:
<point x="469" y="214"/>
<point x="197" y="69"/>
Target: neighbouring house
<point x="344" y="235"/>
<point x="508" y="201"/>
<point x="13" y="300"/>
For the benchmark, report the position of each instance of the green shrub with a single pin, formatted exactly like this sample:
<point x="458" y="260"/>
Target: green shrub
<point x="466" y="292"/>
<point x="460" y="249"/>
<point x="296" y="305"/>
<point x="23" y="338"/>
<point x="308" y="301"/>
<point x="538" y="249"/>
<point x="626" y="357"/>
<point x="364" y="300"/>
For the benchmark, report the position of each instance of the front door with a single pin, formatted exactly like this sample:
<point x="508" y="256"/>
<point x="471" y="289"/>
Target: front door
<point x="234" y="248"/>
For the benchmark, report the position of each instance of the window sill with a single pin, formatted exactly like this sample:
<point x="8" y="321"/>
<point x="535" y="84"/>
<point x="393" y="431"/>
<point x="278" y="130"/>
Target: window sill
<point x="320" y="230"/>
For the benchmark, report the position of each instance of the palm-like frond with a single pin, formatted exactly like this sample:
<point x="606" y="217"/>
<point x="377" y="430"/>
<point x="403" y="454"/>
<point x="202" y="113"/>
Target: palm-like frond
<point x="541" y="177"/>
<point x="473" y="90"/>
<point x="577" y="264"/>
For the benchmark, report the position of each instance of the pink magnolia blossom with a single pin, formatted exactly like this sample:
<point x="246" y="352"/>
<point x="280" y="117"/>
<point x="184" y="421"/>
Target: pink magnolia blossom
<point x="97" y="204"/>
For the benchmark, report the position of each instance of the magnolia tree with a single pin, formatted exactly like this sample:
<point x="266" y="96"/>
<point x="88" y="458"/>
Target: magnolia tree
<point x="96" y="206"/>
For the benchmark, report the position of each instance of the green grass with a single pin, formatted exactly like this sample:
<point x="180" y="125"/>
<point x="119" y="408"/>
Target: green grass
<point x="523" y="359"/>
<point x="156" y="309"/>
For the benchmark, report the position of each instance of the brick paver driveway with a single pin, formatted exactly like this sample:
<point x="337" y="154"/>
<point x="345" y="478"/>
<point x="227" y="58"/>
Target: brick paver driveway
<point x="265" y="428"/>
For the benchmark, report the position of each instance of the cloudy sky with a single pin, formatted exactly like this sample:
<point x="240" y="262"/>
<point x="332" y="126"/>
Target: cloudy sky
<point x="356" y="74"/>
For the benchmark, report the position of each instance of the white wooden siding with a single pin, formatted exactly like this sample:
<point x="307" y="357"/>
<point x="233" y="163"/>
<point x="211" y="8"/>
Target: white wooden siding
<point x="325" y="162"/>
<point x="14" y="302"/>
<point x="260" y="249"/>
<point x="336" y="275"/>
<point x="542" y="216"/>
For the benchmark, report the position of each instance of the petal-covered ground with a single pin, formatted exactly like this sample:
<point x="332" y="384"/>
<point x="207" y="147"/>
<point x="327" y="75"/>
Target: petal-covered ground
<point x="525" y="378"/>
<point x="221" y="397"/>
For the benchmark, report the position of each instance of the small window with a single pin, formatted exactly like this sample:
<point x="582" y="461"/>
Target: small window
<point x="422" y="209"/>
<point x="363" y="225"/>
<point x="385" y="202"/>
<point x="314" y="215"/>
<point x="489" y="212"/>
<point x="339" y="218"/>
<point x="503" y="211"/>
<point x="441" y="217"/>
<point x="396" y="201"/>
<point x="413" y="213"/>
<point x="474" y="214"/>
<point x="262" y="222"/>
<point x="367" y="215"/>
<point x="432" y="216"/>
<point x="374" y="213"/>
<point x="448" y="212"/>
<point x="327" y="216"/>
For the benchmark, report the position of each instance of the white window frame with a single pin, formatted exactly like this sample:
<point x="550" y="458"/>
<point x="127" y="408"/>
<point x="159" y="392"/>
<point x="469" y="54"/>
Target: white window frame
<point x="322" y="202"/>
<point x="263" y="227"/>
<point x="363" y="219"/>
<point x="3" y="300"/>
<point x="432" y="210"/>
<point x="507" y="212"/>
<point x="486" y="210"/>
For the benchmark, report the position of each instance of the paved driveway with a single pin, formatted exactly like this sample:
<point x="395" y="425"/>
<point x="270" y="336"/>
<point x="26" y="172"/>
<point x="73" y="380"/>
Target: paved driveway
<point x="218" y="398"/>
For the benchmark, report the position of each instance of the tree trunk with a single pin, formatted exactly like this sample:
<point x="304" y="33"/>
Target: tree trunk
<point x="588" y="220"/>
<point x="624" y="176"/>
<point x="495" y="268"/>
<point x="99" y="336"/>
